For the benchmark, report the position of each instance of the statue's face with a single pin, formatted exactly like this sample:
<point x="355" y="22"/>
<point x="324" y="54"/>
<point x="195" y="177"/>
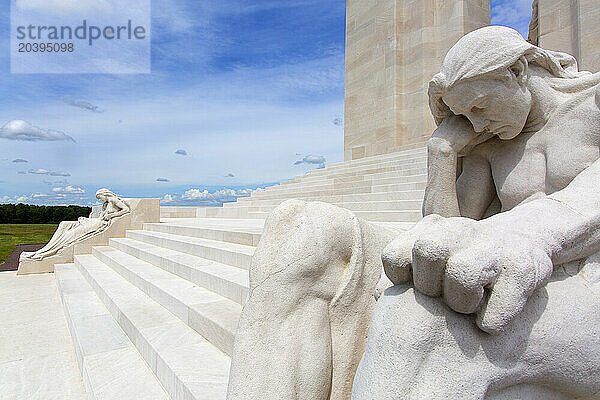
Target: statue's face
<point x="101" y="197"/>
<point x="500" y="107"/>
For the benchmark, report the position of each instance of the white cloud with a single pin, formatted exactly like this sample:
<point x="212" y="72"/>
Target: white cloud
<point x="69" y="189"/>
<point x="59" y="173"/>
<point x="39" y="195"/>
<point x="22" y="130"/>
<point x="19" y="160"/>
<point x="219" y="196"/>
<point x="181" y="152"/>
<point x="39" y="171"/>
<point x="167" y="199"/>
<point x="65" y="7"/>
<point x="315" y="160"/>
<point x="162" y="180"/>
<point x="13" y="200"/>
<point x="84" y="105"/>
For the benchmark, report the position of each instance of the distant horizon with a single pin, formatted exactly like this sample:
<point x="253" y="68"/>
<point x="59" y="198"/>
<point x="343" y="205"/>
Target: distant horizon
<point x="242" y="95"/>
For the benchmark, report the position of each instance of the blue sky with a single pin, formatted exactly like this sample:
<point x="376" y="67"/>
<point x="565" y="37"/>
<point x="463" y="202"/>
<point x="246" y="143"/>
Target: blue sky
<point x="251" y="91"/>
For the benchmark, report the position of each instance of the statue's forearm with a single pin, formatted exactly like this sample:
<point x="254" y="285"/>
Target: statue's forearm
<point x="566" y="224"/>
<point x="440" y="193"/>
<point x="582" y="199"/>
<point x="117" y="214"/>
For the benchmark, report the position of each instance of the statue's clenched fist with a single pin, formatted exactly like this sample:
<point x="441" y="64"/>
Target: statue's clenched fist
<point x="475" y="266"/>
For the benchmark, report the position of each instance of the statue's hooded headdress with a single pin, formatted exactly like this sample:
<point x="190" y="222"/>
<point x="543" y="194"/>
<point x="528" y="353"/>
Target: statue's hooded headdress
<point x="491" y="50"/>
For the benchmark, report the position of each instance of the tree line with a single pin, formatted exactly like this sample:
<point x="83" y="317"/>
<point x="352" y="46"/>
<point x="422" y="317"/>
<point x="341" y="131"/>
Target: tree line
<point x="30" y="214"/>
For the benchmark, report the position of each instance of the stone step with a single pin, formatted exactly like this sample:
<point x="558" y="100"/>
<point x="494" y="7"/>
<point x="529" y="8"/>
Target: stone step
<point x="185" y="363"/>
<point x="387" y="215"/>
<point x="397" y="187"/>
<point x="421" y="151"/>
<point x="382" y="196"/>
<point x="300" y="187"/>
<point x="358" y="205"/>
<point x="311" y="193"/>
<point x="357" y="176"/>
<point x="421" y="170"/>
<point x="389" y="166"/>
<point x="234" y="254"/>
<point x="229" y="233"/>
<point x="110" y="365"/>
<point x="181" y="212"/>
<point x="398" y="167"/>
<point x="225" y="280"/>
<point x="240" y="224"/>
<point x="259" y="224"/>
<point x="212" y="316"/>
<point x="221" y="212"/>
<point x="362" y="169"/>
<point x="417" y="175"/>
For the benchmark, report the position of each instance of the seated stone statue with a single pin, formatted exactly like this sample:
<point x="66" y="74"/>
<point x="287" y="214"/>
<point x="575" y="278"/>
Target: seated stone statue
<point x="496" y="294"/>
<point x="71" y="232"/>
<point x="514" y="241"/>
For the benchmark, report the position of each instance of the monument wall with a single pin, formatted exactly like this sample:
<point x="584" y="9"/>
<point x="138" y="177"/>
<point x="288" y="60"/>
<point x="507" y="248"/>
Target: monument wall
<point x="571" y="26"/>
<point x="393" y="49"/>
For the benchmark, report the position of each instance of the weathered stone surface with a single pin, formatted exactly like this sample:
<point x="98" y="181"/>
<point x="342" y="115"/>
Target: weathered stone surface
<point x="420" y="349"/>
<point x="524" y="125"/>
<point x="303" y="329"/>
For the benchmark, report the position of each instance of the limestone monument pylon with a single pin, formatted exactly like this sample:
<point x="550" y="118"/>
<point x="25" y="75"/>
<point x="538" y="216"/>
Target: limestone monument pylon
<point x="393" y="49"/>
<point x="570" y="27"/>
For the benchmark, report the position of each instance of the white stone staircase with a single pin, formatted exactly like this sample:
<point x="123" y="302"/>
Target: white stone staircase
<point x="153" y="315"/>
<point x="386" y="188"/>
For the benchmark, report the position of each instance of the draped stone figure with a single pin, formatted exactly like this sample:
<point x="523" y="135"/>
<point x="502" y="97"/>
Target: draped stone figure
<point x="498" y="292"/>
<point x="71" y="232"/>
<point x="493" y="295"/>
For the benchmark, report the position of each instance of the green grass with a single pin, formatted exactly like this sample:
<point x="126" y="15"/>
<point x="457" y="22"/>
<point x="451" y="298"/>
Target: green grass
<point x="12" y="235"/>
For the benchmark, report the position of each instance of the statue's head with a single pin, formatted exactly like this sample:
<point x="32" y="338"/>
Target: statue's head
<point x="485" y="78"/>
<point x="104" y="194"/>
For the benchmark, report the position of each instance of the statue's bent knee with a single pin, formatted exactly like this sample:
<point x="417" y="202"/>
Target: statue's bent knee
<point x="311" y="282"/>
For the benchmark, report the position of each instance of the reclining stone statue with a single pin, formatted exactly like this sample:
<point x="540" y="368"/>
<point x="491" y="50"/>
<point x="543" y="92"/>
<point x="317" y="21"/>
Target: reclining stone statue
<point x="496" y="290"/>
<point x="71" y="233"/>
